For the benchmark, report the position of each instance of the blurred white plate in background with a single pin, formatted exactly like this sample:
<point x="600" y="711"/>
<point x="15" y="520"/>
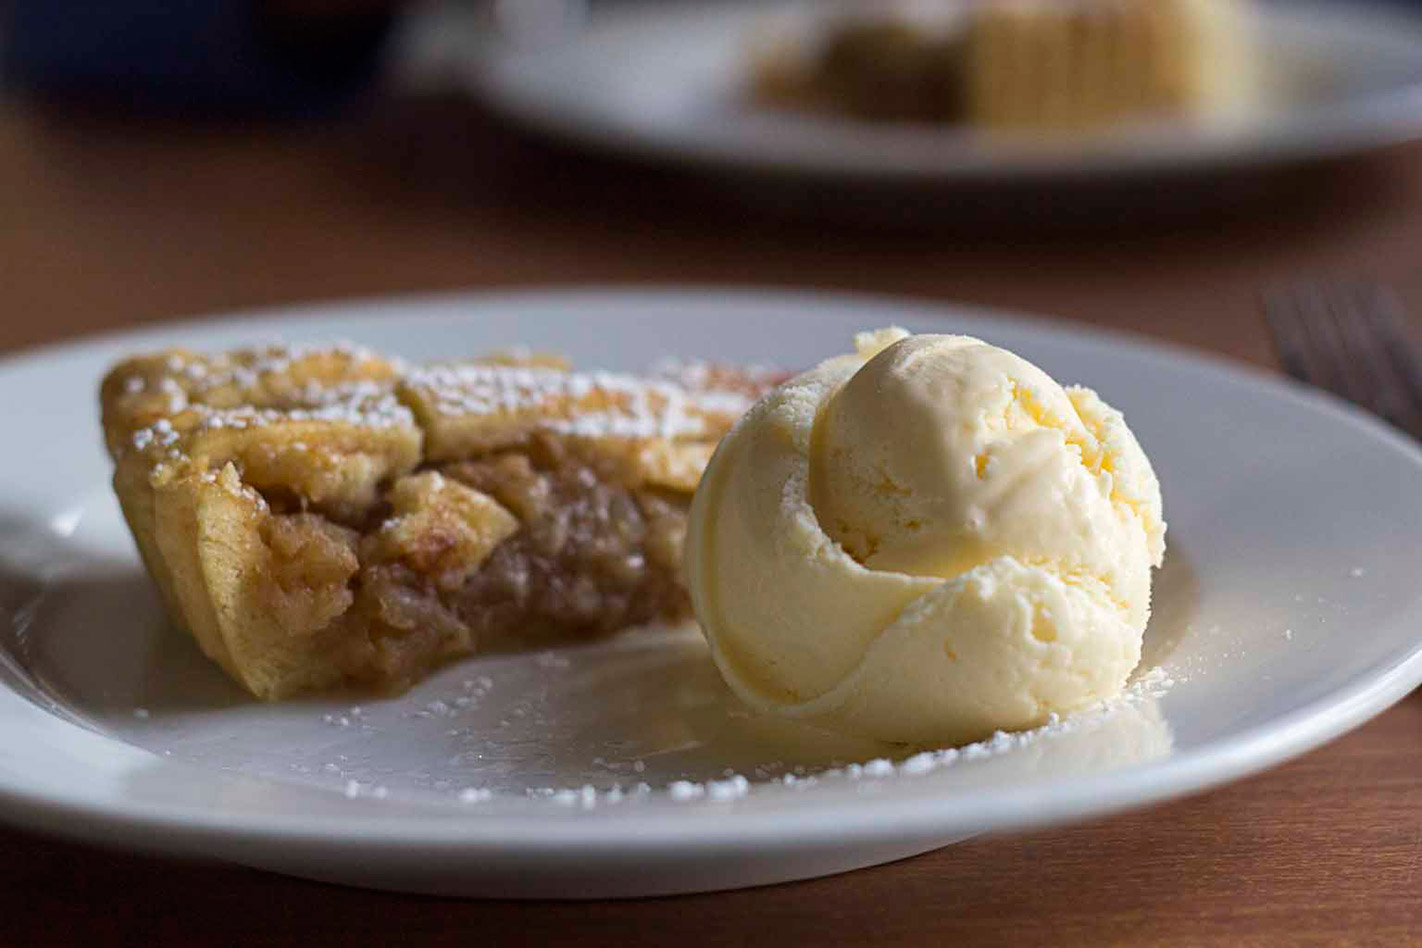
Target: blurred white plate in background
<point x="666" y="82"/>
<point x="1287" y="612"/>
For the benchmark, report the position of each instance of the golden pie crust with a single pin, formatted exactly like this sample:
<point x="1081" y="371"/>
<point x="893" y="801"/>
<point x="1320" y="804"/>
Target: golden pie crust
<point x="325" y="516"/>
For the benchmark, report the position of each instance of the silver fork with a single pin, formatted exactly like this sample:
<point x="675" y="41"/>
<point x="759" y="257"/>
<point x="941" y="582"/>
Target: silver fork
<point x="1351" y="339"/>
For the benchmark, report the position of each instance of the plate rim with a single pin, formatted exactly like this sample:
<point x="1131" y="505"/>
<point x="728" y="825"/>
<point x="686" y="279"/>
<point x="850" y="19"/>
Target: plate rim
<point x="1251" y="750"/>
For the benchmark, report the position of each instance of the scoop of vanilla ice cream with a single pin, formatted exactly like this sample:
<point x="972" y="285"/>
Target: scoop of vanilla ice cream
<point x="926" y="541"/>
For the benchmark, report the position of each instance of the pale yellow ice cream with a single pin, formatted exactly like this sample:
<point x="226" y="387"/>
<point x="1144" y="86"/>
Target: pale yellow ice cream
<point x="925" y="542"/>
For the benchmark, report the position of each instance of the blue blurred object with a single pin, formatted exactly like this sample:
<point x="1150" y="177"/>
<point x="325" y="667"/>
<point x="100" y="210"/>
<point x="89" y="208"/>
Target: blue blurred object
<point x="193" y="55"/>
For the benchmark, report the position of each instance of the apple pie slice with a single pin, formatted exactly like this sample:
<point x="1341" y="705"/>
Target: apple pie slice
<point x="327" y="516"/>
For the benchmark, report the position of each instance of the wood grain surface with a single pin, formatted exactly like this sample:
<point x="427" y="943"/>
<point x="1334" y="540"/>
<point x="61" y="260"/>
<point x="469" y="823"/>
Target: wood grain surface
<point x="111" y="221"/>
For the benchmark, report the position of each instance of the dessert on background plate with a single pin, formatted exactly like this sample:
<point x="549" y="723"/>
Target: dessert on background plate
<point x="926" y="542"/>
<point x="326" y="516"/>
<point x="1023" y="66"/>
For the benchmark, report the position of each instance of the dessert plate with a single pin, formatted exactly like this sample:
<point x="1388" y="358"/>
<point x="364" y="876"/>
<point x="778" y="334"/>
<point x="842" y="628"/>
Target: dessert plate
<point x="665" y="82"/>
<point x="1287" y="612"/>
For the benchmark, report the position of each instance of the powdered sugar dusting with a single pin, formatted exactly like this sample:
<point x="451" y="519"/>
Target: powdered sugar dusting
<point x="382" y="411"/>
<point x="591" y="404"/>
<point x="736" y="786"/>
<point x="200" y="392"/>
<point x="699" y="375"/>
<point x="255" y="388"/>
<point x="249" y="368"/>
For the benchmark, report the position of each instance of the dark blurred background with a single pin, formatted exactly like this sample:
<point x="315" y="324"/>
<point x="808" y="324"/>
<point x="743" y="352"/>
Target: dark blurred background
<point x="276" y="57"/>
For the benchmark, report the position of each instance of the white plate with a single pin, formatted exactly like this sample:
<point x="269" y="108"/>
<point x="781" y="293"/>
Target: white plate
<point x="665" y="82"/>
<point x="1288" y="611"/>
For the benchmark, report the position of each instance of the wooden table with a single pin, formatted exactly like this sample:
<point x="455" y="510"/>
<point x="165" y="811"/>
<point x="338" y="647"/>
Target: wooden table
<point x="109" y="222"/>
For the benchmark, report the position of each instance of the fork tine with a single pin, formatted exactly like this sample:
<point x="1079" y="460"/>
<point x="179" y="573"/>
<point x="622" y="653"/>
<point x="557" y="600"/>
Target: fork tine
<point x="1294" y="314"/>
<point x="1284" y="329"/>
<point x="1361" y="356"/>
<point x="1401" y="356"/>
<point x="1351" y="339"/>
<point x="1330" y="329"/>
